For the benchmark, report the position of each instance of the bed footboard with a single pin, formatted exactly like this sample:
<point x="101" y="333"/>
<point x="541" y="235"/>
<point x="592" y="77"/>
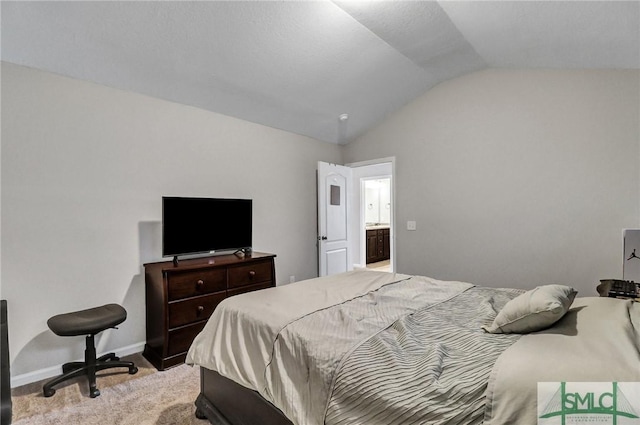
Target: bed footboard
<point x="224" y="402"/>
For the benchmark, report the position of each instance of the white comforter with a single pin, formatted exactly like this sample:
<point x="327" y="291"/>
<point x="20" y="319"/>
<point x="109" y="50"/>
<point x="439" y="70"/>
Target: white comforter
<point x="290" y="343"/>
<point x="269" y="341"/>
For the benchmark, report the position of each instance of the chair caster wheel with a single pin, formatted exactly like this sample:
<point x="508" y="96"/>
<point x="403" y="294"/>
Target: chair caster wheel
<point x="48" y="392"/>
<point x="133" y="370"/>
<point x="94" y="392"/>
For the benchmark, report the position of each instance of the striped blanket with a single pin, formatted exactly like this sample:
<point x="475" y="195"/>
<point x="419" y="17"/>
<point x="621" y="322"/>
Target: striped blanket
<point x="431" y="366"/>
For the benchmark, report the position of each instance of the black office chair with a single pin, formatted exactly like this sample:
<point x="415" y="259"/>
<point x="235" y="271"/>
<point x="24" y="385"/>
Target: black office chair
<point x="88" y="322"/>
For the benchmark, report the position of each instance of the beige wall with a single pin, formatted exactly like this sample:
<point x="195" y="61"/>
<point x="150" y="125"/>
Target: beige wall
<point x="515" y="178"/>
<point x="83" y="171"/>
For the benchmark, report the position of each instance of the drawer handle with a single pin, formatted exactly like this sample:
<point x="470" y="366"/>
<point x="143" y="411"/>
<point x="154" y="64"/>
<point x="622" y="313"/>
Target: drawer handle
<point x="252" y="274"/>
<point x="200" y="283"/>
<point x="200" y="309"/>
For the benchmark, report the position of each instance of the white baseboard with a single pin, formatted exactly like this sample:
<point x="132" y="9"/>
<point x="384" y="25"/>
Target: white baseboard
<point x="49" y="372"/>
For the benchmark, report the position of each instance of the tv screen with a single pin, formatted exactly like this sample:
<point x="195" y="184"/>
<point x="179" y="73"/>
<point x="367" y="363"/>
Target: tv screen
<point x="197" y="225"/>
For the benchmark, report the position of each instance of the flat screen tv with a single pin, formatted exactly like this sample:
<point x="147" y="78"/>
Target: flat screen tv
<point x="199" y="225"/>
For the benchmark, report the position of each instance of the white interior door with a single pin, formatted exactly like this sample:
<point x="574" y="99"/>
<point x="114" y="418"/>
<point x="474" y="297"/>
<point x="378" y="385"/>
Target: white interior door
<point x="334" y="183"/>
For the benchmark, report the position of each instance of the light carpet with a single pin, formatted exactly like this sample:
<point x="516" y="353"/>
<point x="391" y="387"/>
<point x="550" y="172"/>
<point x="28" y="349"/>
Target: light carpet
<point x="147" y="398"/>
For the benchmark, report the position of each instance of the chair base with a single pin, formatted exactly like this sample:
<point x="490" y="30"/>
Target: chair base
<point x="88" y="368"/>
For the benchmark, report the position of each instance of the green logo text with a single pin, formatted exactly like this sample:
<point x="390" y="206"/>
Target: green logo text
<point x="565" y="403"/>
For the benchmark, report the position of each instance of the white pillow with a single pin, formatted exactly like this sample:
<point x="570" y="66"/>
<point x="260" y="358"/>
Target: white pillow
<point x="534" y="310"/>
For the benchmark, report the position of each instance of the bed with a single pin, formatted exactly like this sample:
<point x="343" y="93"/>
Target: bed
<point x="368" y="347"/>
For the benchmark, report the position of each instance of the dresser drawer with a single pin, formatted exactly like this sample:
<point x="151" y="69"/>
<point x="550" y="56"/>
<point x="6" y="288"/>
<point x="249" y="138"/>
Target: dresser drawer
<point x="180" y="339"/>
<point x="193" y="309"/>
<point x="249" y="288"/>
<point x="250" y="274"/>
<point x="195" y="282"/>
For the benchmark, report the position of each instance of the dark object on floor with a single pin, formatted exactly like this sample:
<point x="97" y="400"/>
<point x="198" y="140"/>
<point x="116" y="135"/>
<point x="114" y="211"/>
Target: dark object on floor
<point x="5" y="372"/>
<point x="88" y="322"/>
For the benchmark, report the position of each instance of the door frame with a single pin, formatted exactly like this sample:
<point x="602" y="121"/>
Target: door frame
<point x="357" y="217"/>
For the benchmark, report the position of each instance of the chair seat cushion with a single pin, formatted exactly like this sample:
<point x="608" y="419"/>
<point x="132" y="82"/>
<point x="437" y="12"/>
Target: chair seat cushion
<point x="87" y="322"/>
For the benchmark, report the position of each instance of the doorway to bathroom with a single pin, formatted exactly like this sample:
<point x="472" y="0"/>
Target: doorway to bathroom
<point x="372" y="221"/>
<point x="376" y="204"/>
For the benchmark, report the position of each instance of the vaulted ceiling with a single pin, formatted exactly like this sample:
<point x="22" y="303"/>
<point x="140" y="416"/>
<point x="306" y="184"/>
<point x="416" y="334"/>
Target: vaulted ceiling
<point x="301" y="65"/>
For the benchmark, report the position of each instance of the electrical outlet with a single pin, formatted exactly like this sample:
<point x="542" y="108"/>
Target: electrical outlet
<point x="411" y="225"/>
<point x="292" y="279"/>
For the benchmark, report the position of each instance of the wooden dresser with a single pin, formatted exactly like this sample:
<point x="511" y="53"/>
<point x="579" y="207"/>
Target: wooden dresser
<point x="180" y="299"/>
